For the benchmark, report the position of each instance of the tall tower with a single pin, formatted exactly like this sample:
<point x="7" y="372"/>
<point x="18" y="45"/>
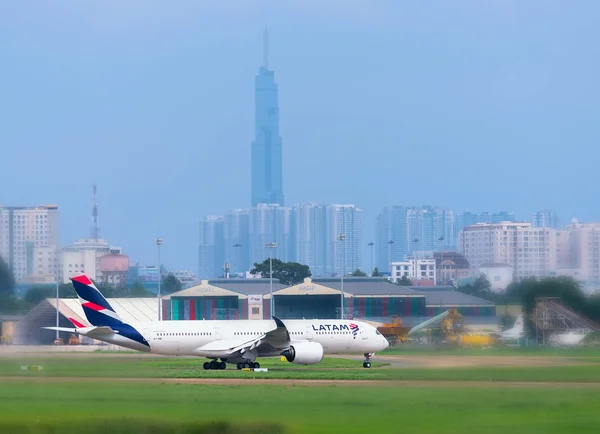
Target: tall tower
<point x="266" y="170"/>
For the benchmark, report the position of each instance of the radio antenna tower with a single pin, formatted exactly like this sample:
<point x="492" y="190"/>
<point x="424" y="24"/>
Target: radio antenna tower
<point x="95" y="229"/>
<point x="266" y="48"/>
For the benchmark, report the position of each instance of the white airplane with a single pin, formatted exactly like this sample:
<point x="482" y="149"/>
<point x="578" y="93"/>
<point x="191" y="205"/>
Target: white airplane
<point x="516" y="332"/>
<point x="568" y="339"/>
<point x="237" y="342"/>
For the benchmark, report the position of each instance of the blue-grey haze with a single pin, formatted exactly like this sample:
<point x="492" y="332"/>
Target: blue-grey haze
<point x="468" y="105"/>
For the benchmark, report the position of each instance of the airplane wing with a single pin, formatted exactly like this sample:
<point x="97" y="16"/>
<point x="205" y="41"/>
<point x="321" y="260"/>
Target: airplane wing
<point x="274" y="341"/>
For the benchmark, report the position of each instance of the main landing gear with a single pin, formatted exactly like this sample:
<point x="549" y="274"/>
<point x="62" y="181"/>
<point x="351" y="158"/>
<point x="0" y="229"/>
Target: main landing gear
<point x="251" y="365"/>
<point x="367" y="362"/>
<point x="214" y="365"/>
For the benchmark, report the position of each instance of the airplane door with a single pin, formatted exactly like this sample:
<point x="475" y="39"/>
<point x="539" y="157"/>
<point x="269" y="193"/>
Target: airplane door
<point x="364" y="335"/>
<point x="309" y="333"/>
<point x="217" y="332"/>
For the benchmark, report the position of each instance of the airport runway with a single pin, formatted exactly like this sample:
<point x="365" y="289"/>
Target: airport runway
<point x="322" y="383"/>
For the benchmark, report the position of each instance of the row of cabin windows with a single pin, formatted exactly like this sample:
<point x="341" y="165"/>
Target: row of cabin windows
<point x="332" y="333"/>
<point x="184" y="334"/>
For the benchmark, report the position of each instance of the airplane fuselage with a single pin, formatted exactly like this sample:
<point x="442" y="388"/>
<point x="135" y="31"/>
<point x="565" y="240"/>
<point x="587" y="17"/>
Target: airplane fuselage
<point x="194" y="338"/>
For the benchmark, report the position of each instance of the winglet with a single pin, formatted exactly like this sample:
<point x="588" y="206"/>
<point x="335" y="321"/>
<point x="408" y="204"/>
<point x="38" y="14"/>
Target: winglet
<point x="278" y="322"/>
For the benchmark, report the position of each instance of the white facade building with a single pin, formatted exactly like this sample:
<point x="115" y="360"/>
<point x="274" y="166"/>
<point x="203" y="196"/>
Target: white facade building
<point x="531" y="252"/>
<point x="22" y="231"/>
<point x="578" y="250"/>
<point x="499" y="275"/>
<point x="415" y="269"/>
<point x="84" y="257"/>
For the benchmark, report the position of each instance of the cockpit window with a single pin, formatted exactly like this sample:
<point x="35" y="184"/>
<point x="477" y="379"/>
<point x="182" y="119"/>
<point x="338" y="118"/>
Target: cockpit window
<point x="377" y="331"/>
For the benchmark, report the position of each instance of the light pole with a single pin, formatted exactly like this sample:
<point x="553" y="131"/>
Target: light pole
<point x="371" y="244"/>
<point x="57" y="297"/>
<point x="272" y="245"/>
<point x="341" y="238"/>
<point x="237" y="257"/>
<point x="440" y="239"/>
<point x="390" y="242"/>
<point x="159" y="241"/>
<point x="415" y="241"/>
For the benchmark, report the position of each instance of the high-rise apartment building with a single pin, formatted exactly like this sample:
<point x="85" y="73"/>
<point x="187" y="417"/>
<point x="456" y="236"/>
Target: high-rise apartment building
<point x="236" y="239"/>
<point x="578" y="251"/>
<point x="345" y="220"/>
<point x="430" y="228"/>
<point x="467" y="218"/>
<point x="310" y="238"/>
<point x="29" y="241"/>
<point x="401" y="230"/>
<point x="545" y="219"/>
<point x="391" y="240"/>
<point x="266" y="152"/>
<point x="211" y="248"/>
<point x="531" y="252"/>
<point x="269" y="224"/>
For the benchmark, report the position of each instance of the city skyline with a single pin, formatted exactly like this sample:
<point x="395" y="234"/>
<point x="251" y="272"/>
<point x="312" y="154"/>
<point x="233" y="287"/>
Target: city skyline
<point x="161" y="112"/>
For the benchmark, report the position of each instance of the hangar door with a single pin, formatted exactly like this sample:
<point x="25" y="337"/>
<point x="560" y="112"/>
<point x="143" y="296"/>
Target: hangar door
<point x="306" y="306"/>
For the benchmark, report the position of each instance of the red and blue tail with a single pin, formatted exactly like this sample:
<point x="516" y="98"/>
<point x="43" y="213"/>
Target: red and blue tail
<point x="96" y="308"/>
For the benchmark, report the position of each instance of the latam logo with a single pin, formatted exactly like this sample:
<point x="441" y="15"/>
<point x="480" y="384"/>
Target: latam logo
<point x="335" y="327"/>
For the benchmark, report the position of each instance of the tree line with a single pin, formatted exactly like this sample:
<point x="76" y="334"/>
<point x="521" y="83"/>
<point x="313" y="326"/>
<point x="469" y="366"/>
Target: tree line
<point x="527" y="290"/>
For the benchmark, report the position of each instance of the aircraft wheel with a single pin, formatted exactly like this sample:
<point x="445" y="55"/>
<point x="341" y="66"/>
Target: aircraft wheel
<point x="206" y="365"/>
<point x="222" y="365"/>
<point x="246" y="365"/>
<point x="367" y="365"/>
<point x="240" y="366"/>
<point x="256" y="365"/>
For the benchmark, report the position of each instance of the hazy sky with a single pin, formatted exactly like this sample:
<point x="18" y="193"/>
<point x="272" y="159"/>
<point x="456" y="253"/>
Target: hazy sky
<point x="472" y="105"/>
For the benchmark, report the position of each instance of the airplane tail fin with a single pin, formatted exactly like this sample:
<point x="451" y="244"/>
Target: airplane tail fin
<point x="96" y="308"/>
<point x="519" y="324"/>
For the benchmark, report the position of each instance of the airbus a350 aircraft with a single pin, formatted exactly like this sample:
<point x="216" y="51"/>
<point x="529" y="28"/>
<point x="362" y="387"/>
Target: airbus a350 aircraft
<point x="237" y="342"/>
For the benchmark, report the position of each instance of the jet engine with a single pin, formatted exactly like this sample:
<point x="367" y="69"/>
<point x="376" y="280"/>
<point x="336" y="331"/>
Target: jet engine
<point x="304" y="353"/>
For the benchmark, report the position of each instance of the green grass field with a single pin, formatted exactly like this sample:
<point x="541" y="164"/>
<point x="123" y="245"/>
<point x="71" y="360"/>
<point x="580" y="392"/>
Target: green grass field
<point x="37" y="407"/>
<point x="418" y="350"/>
<point x="136" y="366"/>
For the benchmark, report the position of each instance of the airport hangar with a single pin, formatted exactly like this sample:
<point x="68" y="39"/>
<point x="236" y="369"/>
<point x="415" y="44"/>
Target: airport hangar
<point x="371" y="299"/>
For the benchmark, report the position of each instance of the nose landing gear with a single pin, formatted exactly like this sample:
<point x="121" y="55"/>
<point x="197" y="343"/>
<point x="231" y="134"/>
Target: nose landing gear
<point x="367" y="362"/>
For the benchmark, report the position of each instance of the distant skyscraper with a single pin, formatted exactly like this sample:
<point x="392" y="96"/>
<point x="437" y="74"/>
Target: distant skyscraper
<point x="347" y="254"/>
<point x="391" y="226"/>
<point x="266" y="171"/>
<point x="236" y="239"/>
<point x="25" y="234"/>
<point x="211" y="252"/>
<point x="315" y="229"/>
<point x="402" y="225"/>
<point x="545" y="219"/>
<point x="266" y="224"/>
<point x="309" y="237"/>
<point x="430" y="228"/>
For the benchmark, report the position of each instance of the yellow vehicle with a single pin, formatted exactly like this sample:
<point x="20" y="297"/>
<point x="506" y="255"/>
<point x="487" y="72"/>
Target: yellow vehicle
<point x="472" y="340"/>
